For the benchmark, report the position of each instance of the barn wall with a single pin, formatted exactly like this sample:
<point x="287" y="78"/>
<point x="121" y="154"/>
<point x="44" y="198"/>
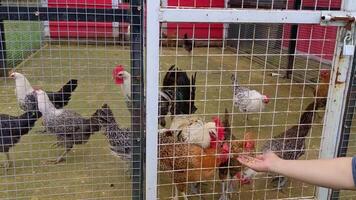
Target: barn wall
<point x="86" y="29"/>
<point x="196" y="30"/>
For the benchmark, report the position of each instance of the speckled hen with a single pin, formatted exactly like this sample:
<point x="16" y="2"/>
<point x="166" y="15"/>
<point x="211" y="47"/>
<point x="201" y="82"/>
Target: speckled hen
<point x="69" y="127"/>
<point x="247" y="100"/>
<point x="120" y="139"/>
<point x="290" y="144"/>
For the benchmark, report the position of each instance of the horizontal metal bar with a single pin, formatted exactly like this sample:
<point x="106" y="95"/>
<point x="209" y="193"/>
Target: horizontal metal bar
<point x="243" y="16"/>
<point x="63" y="14"/>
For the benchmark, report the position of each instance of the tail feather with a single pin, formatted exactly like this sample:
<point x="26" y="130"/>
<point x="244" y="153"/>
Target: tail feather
<point x="97" y="118"/>
<point x="62" y="97"/>
<point x="193" y="108"/>
<point x="169" y="78"/>
<point x="69" y="87"/>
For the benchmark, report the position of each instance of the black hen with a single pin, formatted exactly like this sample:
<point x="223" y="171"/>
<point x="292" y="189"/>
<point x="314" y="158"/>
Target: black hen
<point x="178" y="93"/>
<point x="12" y="128"/>
<point x="187" y="43"/>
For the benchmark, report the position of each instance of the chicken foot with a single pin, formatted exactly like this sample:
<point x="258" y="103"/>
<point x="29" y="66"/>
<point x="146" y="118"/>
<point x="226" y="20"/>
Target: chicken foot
<point x="60" y="158"/>
<point x="54" y="145"/>
<point x="279" y="182"/>
<point x="224" y="195"/>
<point x="176" y="194"/>
<point x="194" y="188"/>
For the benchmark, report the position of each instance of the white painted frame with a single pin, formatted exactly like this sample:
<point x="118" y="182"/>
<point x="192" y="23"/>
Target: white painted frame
<point x="155" y="15"/>
<point x="152" y="83"/>
<point x="336" y="104"/>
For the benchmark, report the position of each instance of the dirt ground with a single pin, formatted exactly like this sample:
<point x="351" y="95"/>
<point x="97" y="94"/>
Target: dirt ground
<point x="91" y="172"/>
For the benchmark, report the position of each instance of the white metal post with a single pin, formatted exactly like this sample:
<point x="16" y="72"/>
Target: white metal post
<point x="336" y="103"/>
<point x="152" y="71"/>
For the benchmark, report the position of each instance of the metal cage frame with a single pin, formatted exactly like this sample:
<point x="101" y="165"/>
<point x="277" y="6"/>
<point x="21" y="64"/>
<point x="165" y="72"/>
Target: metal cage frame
<point x="134" y="16"/>
<point x="338" y="89"/>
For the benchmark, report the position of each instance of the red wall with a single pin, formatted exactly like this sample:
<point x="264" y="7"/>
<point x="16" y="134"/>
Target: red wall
<point x="201" y="30"/>
<point x="63" y="29"/>
<point x="326" y="4"/>
<point x="314" y="39"/>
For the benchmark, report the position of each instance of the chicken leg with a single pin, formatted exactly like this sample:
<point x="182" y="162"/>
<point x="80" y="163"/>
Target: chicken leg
<point x="176" y="195"/>
<point x="60" y="158"/>
<point x="223" y="191"/>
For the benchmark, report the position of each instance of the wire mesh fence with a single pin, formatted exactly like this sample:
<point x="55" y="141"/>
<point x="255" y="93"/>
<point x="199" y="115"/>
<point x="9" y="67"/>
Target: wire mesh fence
<point x="69" y="131"/>
<point x="226" y="89"/>
<point x="222" y="74"/>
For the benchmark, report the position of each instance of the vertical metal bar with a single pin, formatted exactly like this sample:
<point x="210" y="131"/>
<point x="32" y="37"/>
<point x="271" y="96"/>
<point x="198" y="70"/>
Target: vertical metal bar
<point x="292" y="43"/>
<point x="335" y="108"/>
<point x="137" y="94"/>
<point x="152" y="97"/>
<point x="333" y="129"/>
<point x="3" y="70"/>
<point x="347" y="120"/>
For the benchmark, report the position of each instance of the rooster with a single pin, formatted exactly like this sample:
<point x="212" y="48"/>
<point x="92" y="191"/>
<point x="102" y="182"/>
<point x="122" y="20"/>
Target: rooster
<point x="187" y="43"/>
<point x="69" y="127"/>
<point x="321" y="91"/>
<point x="24" y="92"/>
<point x="231" y="168"/>
<point x="248" y="100"/>
<point x="177" y="95"/>
<point x="189" y="162"/>
<point x="12" y="128"/>
<point x="193" y="130"/>
<point x="177" y="82"/>
<point x="290" y="144"/>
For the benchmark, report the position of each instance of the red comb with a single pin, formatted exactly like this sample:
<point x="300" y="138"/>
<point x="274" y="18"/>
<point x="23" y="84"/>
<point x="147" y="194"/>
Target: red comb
<point x="219" y="128"/>
<point x="115" y="71"/>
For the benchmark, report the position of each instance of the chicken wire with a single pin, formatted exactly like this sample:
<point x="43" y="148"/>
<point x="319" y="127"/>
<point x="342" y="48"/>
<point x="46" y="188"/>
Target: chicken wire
<point x="214" y="66"/>
<point x="260" y="56"/>
<point x="87" y="45"/>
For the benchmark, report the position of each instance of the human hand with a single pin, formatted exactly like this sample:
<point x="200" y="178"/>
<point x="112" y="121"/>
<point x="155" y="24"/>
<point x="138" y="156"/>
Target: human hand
<point x="261" y="163"/>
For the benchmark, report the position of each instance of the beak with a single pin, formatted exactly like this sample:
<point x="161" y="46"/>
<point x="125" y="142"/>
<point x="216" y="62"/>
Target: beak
<point x="12" y="75"/>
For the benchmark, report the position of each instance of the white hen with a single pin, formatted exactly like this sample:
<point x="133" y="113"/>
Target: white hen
<point x="248" y="100"/>
<point x="194" y="130"/>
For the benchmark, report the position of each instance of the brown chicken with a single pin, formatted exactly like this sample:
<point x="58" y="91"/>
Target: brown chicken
<point x="171" y="39"/>
<point x="232" y="167"/>
<point x="322" y="89"/>
<point x="188" y="162"/>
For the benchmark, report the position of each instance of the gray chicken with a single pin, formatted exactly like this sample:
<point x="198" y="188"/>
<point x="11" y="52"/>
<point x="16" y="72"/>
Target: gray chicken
<point x="69" y="127"/>
<point x="120" y="139"/>
<point x="290" y="144"/>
